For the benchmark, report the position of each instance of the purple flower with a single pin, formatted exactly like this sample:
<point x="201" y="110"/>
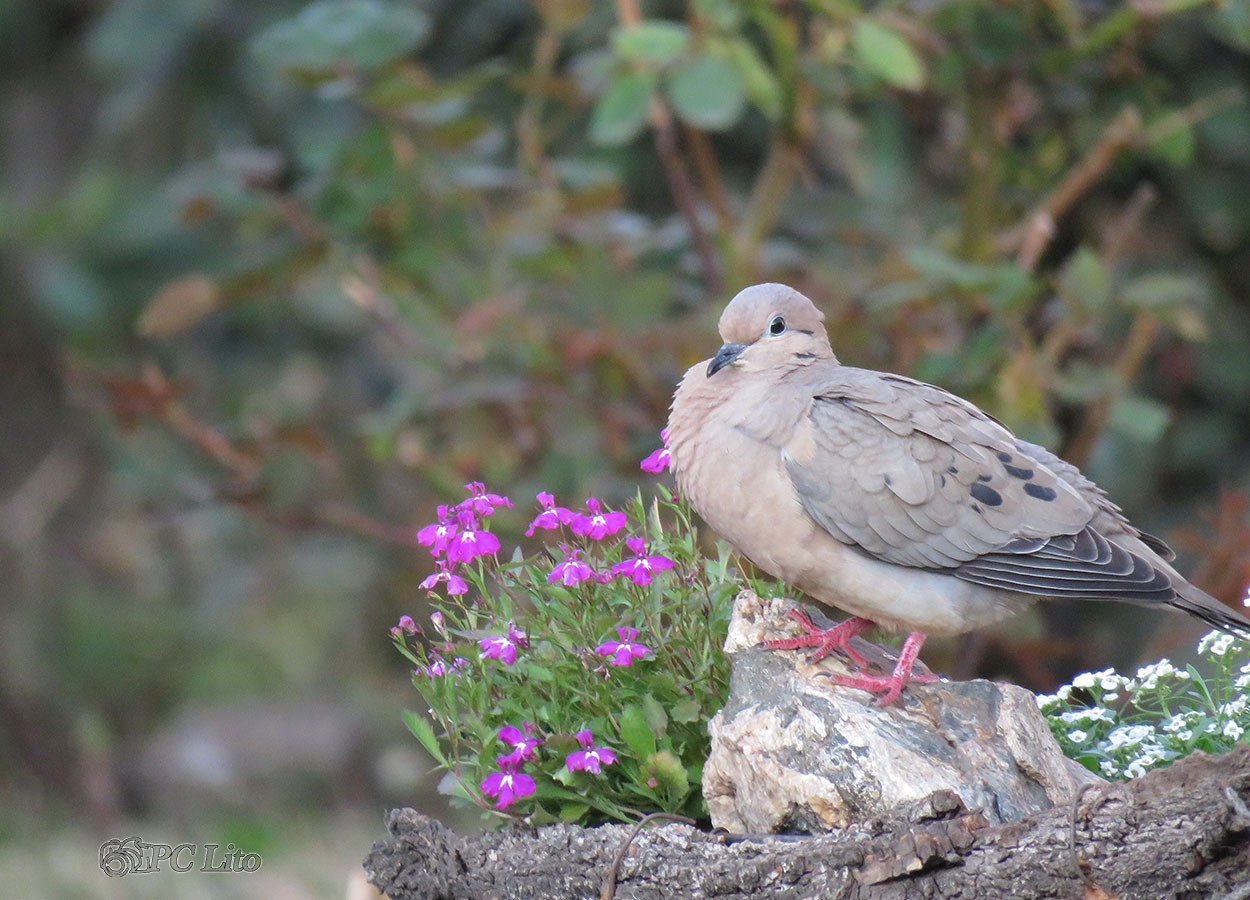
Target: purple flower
<point x="551" y="517"/>
<point x="503" y="647"/>
<point x="455" y="584"/>
<point x="405" y="626"/>
<point x="438" y="620"/>
<point x="481" y="503"/>
<point x="660" y="459"/>
<point x="507" y="786"/>
<point x="439" y="535"/>
<point x="571" y="571"/>
<point x="469" y="542"/>
<point x="522" y="742"/>
<point x="598" y="524"/>
<point x="641" y="567"/>
<point x="439" y="667"/>
<point x="590" y="757"/>
<point x="624" y="651"/>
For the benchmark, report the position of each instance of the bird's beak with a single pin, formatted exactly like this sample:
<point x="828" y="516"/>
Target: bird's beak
<point x="724" y="356"/>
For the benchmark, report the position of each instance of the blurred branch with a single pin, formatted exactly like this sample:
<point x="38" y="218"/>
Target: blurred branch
<point x="709" y="175"/>
<point x="1192" y="114"/>
<point x="768" y="199"/>
<point x="675" y="171"/>
<point x="529" y="120"/>
<point x="1029" y="238"/>
<point x="152" y="396"/>
<point x="1136" y="345"/>
<point x="984" y="171"/>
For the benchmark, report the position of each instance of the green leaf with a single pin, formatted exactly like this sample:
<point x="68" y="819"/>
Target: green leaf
<point x="656" y="42"/>
<point x="635" y="731"/>
<point x="708" y="93"/>
<point x="886" y="54"/>
<point x="685" y="711"/>
<point x="657" y="718"/>
<point x="669" y="771"/>
<point x="1164" y="289"/>
<point x="573" y="812"/>
<point x="423" y="731"/>
<point x="328" y="34"/>
<point x="1175" y="146"/>
<point x="1085" y="283"/>
<point x="539" y="673"/>
<point x="1139" y="418"/>
<point x="621" y="111"/>
<point x="758" y="81"/>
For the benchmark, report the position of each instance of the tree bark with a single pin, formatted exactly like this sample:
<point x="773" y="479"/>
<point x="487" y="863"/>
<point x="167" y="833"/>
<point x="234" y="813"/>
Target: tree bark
<point x="1179" y="832"/>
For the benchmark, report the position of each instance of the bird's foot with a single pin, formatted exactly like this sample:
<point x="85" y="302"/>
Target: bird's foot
<point x="890" y="686"/>
<point x="825" y="640"/>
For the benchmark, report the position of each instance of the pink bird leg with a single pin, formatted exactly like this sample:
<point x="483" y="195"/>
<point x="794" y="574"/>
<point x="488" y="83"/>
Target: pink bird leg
<point x="839" y="637"/>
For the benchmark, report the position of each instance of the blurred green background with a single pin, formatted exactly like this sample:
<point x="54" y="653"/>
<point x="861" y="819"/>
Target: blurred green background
<point x="277" y="278"/>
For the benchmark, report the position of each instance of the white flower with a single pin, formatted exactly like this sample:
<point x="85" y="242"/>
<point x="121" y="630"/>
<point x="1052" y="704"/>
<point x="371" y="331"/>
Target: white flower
<point x="1112" y="681"/>
<point x="1151" y="674"/>
<point x="1086" y="716"/>
<point x="1232" y="730"/>
<point x="1207" y="639"/>
<point x="1221" y="644"/>
<point x="1084" y="680"/>
<point x="1234" y="708"/>
<point x="1127" y="736"/>
<point x="1077" y="736"/>
<point x="1108" y="768"/>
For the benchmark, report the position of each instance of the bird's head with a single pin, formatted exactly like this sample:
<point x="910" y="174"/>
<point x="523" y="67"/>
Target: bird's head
<point x="769" y="326"/>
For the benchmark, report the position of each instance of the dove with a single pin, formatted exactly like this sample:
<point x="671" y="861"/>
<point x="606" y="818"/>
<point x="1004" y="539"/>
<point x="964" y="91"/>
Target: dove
<point x="891" y="499"/>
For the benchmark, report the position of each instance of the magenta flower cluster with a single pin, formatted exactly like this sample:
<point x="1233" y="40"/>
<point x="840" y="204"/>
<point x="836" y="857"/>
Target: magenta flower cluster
<point x="658" y="460"/>
<point x="624" y="651"/>
<point x="503" y="647"/>
<point x="511" y="783"/>
<point x="461" y="535"/>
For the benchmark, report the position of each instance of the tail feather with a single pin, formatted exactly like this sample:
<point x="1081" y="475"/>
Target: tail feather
<point x="1202" y="605"/>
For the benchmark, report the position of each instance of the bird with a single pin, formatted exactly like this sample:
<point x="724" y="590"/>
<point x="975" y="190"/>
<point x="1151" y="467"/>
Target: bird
<point x="892" y="499"/>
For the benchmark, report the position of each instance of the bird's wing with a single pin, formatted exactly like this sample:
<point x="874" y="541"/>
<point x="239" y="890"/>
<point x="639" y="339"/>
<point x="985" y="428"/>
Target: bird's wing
<point x="916" y="476"/>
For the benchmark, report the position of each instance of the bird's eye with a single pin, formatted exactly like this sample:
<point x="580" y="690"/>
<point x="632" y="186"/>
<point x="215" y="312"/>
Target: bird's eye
<point x="776" y="326"/>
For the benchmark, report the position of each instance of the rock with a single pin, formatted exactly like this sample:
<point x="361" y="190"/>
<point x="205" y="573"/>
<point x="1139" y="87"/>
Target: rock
<point x="793" y="752"/>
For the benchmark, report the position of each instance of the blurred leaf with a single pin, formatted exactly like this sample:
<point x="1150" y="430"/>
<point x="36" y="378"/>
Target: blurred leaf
<point x="1139" y="418"/>
<point x="657" y="718"/>
<point x="329" y="34"/>
<point x="621" y="112"/>
<point x="1085" y="284"/>
<point x="1175" y="146"/>
<point x="669" y="771"/>
<point x="656" y="42"/>
<point x="179" y="305"/>
<point x="423" y="731"/>
<point x="1164" y="289"/>
<point x="562" y="15"/>
<point x="757" y="79"/>
<point x="1231" y="22"/>
<point x="685" y="711"/>
<point x="707" y="92"/>
<point x="723" y="14"/>
<point x="996" y="34"/>
<point x="635" y="731"/>
<point x="886" y="54"/>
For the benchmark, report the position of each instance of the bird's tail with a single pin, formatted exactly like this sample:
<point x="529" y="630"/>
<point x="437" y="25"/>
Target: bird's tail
<point x="1202" y="605"/>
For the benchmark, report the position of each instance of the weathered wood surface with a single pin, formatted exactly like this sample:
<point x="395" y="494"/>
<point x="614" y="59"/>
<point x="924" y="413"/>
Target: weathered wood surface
<point x="1179" y="832"/>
